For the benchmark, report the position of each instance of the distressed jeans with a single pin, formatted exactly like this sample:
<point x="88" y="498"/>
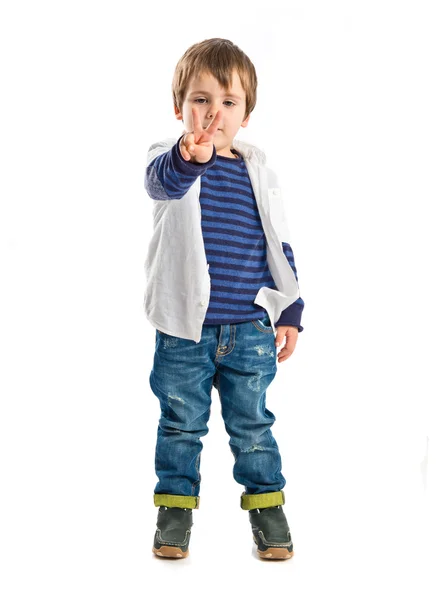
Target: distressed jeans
<point x="240" y="361"/>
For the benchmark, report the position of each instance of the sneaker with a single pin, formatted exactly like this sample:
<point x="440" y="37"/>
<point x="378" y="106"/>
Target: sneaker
<point x="173" y="532"/>
<point x="271" y="533"/>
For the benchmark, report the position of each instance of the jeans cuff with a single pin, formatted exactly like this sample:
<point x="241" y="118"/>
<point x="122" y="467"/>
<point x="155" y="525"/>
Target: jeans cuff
<point x="251" y="501"/>
<point x="173" y="501"/>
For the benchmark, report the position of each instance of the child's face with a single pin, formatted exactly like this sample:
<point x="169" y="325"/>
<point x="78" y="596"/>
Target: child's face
<point x="205" y="93"/>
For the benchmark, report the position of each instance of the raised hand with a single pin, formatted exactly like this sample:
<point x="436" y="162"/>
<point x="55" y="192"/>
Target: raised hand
<point x="197" y="145"/>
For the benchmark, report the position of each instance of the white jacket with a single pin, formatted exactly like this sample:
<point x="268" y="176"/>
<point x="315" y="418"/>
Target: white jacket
<point x="178" y="281"/>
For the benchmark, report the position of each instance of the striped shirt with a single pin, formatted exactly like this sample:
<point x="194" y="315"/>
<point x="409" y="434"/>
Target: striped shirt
<point x="234" y="240"/>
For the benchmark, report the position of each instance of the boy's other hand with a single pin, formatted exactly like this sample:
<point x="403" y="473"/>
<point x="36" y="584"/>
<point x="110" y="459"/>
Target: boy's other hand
<point x="291" y="334"/>
<point x="197" y="145"/>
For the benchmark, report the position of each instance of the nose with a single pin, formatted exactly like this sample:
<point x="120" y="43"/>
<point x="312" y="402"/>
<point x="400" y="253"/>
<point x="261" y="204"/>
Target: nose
<point x="212" y="111"/>
<point x="210" y="116"/>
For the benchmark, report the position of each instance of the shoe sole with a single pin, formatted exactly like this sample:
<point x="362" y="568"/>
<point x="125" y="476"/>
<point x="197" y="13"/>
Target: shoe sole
<point x="170" y="552"/>
<point x="274" y="553"/>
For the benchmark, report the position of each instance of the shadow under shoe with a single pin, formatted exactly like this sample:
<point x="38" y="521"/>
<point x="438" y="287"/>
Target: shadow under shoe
<point x="271" y="533"/>
<point x="171" y="539"/>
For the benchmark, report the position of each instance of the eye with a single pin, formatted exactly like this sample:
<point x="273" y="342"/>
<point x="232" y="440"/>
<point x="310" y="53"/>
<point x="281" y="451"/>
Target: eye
<point x="204" y="100"/>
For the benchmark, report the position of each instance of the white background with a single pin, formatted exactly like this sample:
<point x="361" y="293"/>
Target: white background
<point x="349" y="114"/>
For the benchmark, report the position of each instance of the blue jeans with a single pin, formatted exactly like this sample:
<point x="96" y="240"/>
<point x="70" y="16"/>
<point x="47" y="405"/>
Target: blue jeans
<point x="240" y="361"/>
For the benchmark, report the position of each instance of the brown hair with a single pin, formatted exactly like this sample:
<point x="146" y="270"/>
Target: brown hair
<point x="220" y="58"/>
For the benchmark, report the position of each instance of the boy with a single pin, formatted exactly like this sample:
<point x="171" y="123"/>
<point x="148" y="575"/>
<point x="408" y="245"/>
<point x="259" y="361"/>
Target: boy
<point x="221" y="280"/>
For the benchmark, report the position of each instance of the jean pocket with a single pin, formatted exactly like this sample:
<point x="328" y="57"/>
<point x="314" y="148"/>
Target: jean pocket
<point x="263" y="324"/>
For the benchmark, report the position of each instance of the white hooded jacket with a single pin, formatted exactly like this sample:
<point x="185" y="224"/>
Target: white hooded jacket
<point x="178" y="282"/>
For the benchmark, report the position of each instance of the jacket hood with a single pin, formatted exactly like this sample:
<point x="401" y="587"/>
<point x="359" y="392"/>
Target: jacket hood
<point x="248" y="151"/>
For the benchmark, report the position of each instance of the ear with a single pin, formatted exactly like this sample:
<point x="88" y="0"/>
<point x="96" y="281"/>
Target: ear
<point x="246" y="121"/>
<point x="178" y="114"/>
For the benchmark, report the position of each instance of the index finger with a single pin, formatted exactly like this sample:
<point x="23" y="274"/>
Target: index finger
<point x="196" y="123"/>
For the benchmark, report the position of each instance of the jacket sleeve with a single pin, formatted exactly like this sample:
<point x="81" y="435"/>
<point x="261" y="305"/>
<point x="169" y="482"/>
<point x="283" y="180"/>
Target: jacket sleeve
<point x="169" y="176"/>
<point x="291" y="315"/>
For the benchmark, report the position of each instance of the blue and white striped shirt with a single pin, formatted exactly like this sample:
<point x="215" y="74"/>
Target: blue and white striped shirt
<point x="234" y="240"/>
